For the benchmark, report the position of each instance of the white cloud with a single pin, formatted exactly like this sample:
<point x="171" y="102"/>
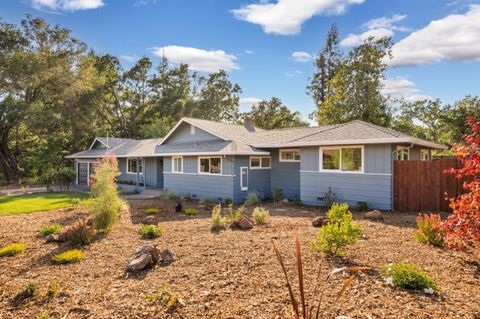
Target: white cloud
<point x="198" y="59"/>
<point x="293" y="73"/>
<point x="129" y="57"/>
<point x="400" y="88"/>
<point x="285" y="17"/>
<point x="378" y="28"/>
<point x="248" y="52"/>
<point x="246" y="103"/>
<point x="66" y="5"/>
<point x="302" y="56"/>
<point x="453" y="38"/>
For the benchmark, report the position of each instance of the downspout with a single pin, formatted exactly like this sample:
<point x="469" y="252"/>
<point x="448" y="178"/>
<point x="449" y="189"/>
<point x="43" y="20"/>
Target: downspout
<point x="394" y="155"/>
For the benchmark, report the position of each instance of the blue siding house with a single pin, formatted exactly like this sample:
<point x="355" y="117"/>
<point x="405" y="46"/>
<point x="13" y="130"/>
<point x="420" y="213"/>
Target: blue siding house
<point x="201" y="158"/>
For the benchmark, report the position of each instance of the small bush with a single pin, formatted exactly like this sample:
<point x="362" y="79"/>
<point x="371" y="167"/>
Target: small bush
<point x="408" y="276"/>
<point x="228" y="201"/>
<point x="260" y="216"/>
<point x="12" y="249"/>
<point x="53" y="288"/>
<point x="234" y="215"/>
<point x="152" y="211"/>
<point x="277" y="194"/>
<point x="296" y="202"/>
<point x="218" y="222"/>
<point x="430" y="230"/>
<point x="191" y="211"/>
<point x="44" y="315"/>
<point x="151" y="231"/>
<point x="252" y="199"/>
<point x="340" y="232"/>
<point x="168" y="195"/>
<point x="362" y="206"/>
<point x="69" y="256"/>
<point x="75" y="201"/>
<point x="329" y="198"/>
<point x="31" y="290"/>
<point x="165" y="296"/>
<point x="81" y="232"/>
<point x="207" y="201"/>
<point x="51" y="229"/>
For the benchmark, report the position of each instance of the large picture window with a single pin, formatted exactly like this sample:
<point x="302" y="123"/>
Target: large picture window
<point x="290" y="155"/>
<point x="134" y="165"/>
<point x="343" y="159"/>
<point x="177" y="164"/>
<point x="259" y="162"/>
<point x="210" y="165"/>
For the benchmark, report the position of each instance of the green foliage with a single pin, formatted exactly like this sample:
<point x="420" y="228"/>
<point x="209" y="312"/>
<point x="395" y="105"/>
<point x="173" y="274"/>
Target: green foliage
<point x="430" y="230"/>
<point x="339" y="233"/>
<point x="69" y="256"/>
<point x="53" y="288"/>
<point x="234" y="215"/>
<point x="191" y="211"/>
<point x="151" y="231"/>
<point x="152" y="211"/>
<point x="296" y="202"/>
<point x="165" y="296"/>
<point x="64" y="177"/>
<point x="277" y="194"/>
<point x="260" y="216"/>
<point x="12" y="249"/>
<point x="408" y="276"/>
<point x="252" y="199"/>
<point x="168" y="195"/>
<point x="362" y="206"/>
<point x="51" y="229"/>
<point x="44" y="315"/>
<point x="272" y="114"/>
<point x="106" y="201"/>
<point x="207" y="201"/>
<point x="30" y="291"/>
<point x="218" y="222"/>
<point x="227" y="201"/>
<point x="80" y="233"/>
<point x="76" y="201"/>
<point x="329" y="198"/>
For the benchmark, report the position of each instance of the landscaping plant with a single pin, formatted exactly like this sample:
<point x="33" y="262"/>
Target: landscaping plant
<point x="12" y="249"/>
<point x="218" y="222"/>
<point x="53" y="288"/>
<point x="338" y="233"/>
<point x="260" y="216"/>
<point x="69" y="256"/>
<point x="191" y="211"/>
<point x="430" y="230"/>
<point x="166" y="195"/>
<point x="234" y="215"/>
<point x="76" y="201"/>
<point x="408" y="276"/>
<point x="362" y="206"/>
<point x="277" y="194"/>
<point x="329" y="198"/>
<point x="152" y="211"/>
<point x="81" y="232"/>
<point x="462" y="228"/>
<point x="252" y="199"/>
<point x="151" y="231"/>
<point x="51" y="229"/>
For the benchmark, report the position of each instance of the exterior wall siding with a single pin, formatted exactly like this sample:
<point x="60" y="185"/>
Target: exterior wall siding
<point x="285" y="175"/>
<point x="149" y="169"/>
<point x="258" y="180"/>
<point x="183" y="135"/>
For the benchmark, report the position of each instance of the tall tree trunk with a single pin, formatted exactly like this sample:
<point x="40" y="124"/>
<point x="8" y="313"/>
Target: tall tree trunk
<point x="8" y="161"/>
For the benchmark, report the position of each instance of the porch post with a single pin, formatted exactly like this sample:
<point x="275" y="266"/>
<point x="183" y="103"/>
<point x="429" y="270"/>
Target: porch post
<point x="138" y="173"/>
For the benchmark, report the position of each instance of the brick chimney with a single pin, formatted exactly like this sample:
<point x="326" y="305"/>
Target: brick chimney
<point x="248" y="121"/>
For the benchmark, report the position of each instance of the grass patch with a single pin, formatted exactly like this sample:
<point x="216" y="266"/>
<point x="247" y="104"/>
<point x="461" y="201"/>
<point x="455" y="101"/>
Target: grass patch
<point x="23" y="204"/>
<point x="69" y="256"/>
<point x="151" y="231"/>
<point x="12" y="249"/>
<point x="51" y="229"/>
<point x="152" y="211"/>
<point x="191" y="212"/>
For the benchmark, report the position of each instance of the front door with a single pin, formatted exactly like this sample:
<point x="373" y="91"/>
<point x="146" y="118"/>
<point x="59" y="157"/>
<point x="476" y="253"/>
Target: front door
<point x="160" y="172"/>
<point x="244" y="178"/>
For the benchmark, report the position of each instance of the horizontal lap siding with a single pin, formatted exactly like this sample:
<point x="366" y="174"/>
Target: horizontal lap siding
<point x="122" y="167"/>
<point x="258" y="180"/>
<point x="286" y="176"/>
<point x="199" y="186"/>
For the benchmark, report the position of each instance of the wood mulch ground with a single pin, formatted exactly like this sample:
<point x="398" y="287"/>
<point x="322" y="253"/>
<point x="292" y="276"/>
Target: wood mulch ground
<point x="230" y="274"/>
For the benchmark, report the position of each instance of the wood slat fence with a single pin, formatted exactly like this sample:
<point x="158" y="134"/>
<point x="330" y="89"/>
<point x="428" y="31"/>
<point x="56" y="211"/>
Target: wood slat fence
<point x="422" y="186"/>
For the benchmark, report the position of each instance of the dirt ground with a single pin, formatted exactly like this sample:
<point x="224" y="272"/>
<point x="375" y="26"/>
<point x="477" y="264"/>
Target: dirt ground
<point x="230" y="274"/>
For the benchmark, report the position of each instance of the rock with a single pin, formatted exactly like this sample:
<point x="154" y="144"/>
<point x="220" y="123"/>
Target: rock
<point x="320" y="221"/>
<point x="149" y="220"/>
<point x="245" y="223"/>
<point x="374" y="215"/>
<point x="285" y="200"/>
<point x="63" y="237"/>
<point x="167" y="256"/>
<point x="281" y="210"/>
<point x="235" y="225"/>
<point x="51" y="238"/>
<point x="145" y="256"/>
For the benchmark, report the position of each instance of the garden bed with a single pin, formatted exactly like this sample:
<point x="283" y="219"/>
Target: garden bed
<point x="230" y="274"/>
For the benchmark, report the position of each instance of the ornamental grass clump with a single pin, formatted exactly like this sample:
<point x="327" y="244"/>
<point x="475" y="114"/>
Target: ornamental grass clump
<point x="54" y="229"/>
<point x="218" y="222"/>
<point x="152" y="211"/>
<point x="151" y="231"/>
<point x="260" y="216"/>
<point x="234" y="215"/>
<point x="408" y="276"/>
<point x="430" y="230"/>
<point x="191" y="211"/>
<point x="69" y="256"/>
<point x="12" y="249"/>
<point x="253" y="198"/>
<point x="338" y="233"/>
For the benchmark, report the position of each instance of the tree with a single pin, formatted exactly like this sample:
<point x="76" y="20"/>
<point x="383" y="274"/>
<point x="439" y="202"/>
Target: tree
<point x="326" y="66"/>
<point x="463" y="226"/>
<point x="273" y="114"/>
<point x="354" y="91"/>
<point x="454" y="118"/>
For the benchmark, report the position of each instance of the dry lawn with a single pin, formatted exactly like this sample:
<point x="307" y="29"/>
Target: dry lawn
<point x="230" y="274"/>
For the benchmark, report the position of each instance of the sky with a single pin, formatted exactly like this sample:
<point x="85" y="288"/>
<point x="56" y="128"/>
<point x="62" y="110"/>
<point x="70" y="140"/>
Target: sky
<point x="269" y="47"/>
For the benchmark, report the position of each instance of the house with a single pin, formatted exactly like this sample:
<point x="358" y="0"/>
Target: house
<point x="202" y="158"/>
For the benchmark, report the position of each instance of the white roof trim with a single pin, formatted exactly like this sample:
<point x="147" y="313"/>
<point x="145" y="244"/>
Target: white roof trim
<point x="191" y="123"/>
<point x="96" y="139"/>
<point x="173" y="154"/>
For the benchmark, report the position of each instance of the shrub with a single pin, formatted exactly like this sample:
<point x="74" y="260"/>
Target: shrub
<point x="340" y="232"/>
<point x="165" y="295"/>
<point x="31" y="290"/>
<point x="81" y="232"/>
<point x="218" y="222"/>
<point x="12" y="249"/>
<point x="168" y="195"/>
<point x="252" y="199"/>
<point x="152" y="211"/>
<point x="51" y="229"/>
<point x="227" y="201"/>
<point x="53" y="288"/>
<point x="64" y="177"/>
<point x="191" y="211"/>
<point x="69" y="256"/>
<point x="44" y="315"/>
<point x="277" y="194"/>
<point x="430" y="230"/>
<point x="151" y="231"/>
<point x="207" y="201"/>
<point x="106" y="201"/>
<point x="362" y="206"/>
<point x="296" y="202"/>
<point x="76" y="201"/>
<point x="260" y="216"/>
<point x="234" y="215"/>
<point x="408" y="276"/>
<point x="329" y="198"/>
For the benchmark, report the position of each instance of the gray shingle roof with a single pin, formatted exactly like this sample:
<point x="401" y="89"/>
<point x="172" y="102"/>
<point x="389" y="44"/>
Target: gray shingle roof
<point x="121" y="147"/>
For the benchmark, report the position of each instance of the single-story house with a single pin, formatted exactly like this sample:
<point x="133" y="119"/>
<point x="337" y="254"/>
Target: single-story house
<point x="201" y="158"/>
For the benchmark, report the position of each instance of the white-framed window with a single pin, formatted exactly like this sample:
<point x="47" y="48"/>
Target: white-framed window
<point x="134" y="165"/>
<point x="342" y="159"/>
<point x="260" y="162"/>
<point x="403" y="153"/>
<point x="210" y="165"/>
<point x="292" y="155"/>
<point x="425" y="155"/>
<point x="177" y="164"/>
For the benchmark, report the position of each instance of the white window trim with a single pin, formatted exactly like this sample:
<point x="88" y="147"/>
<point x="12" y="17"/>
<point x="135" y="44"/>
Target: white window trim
<point x="402" y="148"/>
<point x="289" y="150"/>
<point x="320" y="164"/>
<point x="134" y="158"/>
<point x="210" y="157"/>
<point x="173" y="164"/>
<point x="260" y="158"/>
<point x="242" y="188"/>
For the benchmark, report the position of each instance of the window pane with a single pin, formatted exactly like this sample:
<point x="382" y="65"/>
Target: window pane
<point x="297" y="156"/>
<point x="265" y="161"/>
<point x="331" y="159"/>
<point x="204" y="165"/>
<point x="177" y="164"/>
<point x="215" y="165"/>
<point x="255" y="162"/>
<point x="140" y="166"/>
<point x="351" y="159"/>
<point x="132" y="166"/>
<point x="287" y="156"/>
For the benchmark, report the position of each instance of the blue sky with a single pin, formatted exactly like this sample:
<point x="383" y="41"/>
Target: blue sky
<point x="268" y="46"/>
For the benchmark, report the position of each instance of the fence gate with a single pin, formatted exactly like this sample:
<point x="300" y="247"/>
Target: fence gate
<point x="422" y="186"/>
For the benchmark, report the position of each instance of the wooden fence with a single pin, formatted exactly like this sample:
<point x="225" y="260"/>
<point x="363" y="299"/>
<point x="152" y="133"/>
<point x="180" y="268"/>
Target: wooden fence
<point x="422" y="186"/>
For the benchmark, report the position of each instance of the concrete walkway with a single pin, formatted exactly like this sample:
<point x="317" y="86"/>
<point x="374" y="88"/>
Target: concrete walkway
<point x="146" y="194"/>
